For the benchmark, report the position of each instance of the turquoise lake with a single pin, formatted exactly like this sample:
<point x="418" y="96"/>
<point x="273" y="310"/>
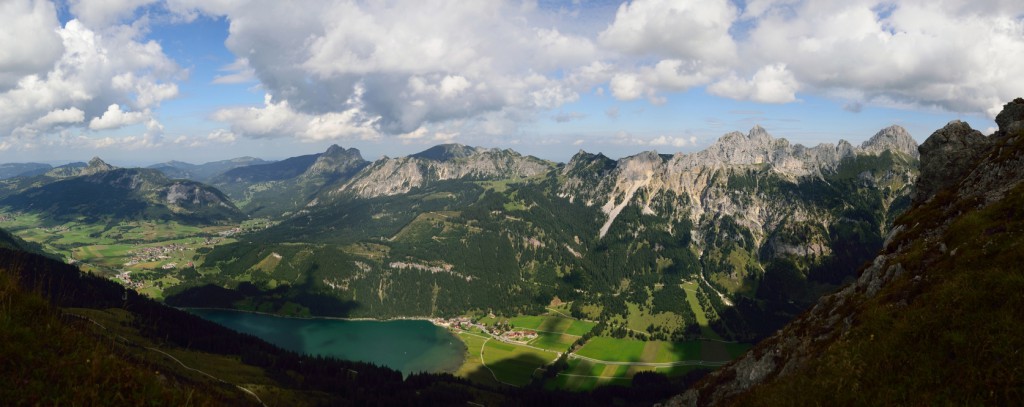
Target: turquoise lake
<point x="408" y="346"/>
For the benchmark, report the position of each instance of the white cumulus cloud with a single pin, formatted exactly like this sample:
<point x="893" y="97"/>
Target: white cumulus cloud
<point x="29" y="43"/>
<point x="279" y="119"/>
<point x="115" y="118"/>
<point x="771" y="84"/>
<point x="418" y="63"/>
<point x="95" y="70"/>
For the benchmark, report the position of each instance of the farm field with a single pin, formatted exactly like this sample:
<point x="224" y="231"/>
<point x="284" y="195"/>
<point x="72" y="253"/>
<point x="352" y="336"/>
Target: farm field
<point x="612" y="361"/>
<point x="556" y="324"/>
<point x="490" y="361"/>
<point x="554" y="332"/>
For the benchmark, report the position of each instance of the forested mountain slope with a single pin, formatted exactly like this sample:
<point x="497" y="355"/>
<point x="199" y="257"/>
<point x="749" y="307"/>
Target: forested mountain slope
<point x="934" y="319"/>
<point x="757" y="229"/>
<point x="282" y="187"/>
<point x="100" y="192"/>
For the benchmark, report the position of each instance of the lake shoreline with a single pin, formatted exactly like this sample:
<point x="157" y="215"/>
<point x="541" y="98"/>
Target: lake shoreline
<point x="295" y="337"/>
<point x="428" y="319"/>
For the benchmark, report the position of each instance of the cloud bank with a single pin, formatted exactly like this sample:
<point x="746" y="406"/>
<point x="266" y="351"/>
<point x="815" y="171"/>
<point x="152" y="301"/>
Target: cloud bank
<point x="368" y="70"/>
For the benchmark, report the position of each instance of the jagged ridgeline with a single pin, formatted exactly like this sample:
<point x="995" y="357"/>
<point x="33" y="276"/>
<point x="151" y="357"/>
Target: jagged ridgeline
<point x="99" y="192"/>
<point x="279" y="188"/>
<point x="738" y="238"/>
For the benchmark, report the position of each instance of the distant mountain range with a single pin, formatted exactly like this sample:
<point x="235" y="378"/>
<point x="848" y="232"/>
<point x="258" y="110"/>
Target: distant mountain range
<point x="11" y="170"/>
<point x="203" y="172"/>
<point x="100" y="191"/>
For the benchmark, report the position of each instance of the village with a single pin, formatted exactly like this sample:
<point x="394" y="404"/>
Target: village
<point x="126" y="278"/>
<point x="154" y="253"/>
<point x="502" y="332"/>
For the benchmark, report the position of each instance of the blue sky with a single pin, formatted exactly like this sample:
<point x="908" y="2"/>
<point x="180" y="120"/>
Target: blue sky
<point x="138" y="82"/>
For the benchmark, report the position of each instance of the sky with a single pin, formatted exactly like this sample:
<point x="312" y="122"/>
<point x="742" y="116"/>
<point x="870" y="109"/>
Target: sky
<point x="138" y="82"/>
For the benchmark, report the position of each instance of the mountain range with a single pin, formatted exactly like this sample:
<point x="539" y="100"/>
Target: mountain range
<point x="761" y="226"/>
<point x="882" y="273"/>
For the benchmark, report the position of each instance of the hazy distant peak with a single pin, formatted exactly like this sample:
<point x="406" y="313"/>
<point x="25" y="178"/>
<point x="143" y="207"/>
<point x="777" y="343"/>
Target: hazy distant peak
<point x="446" y="152"/>
<point x="96" y="165"/>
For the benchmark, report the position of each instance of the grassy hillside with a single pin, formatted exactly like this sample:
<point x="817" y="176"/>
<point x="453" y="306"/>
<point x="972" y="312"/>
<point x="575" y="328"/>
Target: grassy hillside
<point x="51" y="357"/>
<point x="948" y="330"/>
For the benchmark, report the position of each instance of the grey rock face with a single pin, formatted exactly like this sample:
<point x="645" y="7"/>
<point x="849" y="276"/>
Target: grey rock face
<point x="699" y="177"/>
<point x="945" y="157"/>
<point x="1012" y="113"/>
<point x="391" y="176"/>
<point x="893" y="138"/>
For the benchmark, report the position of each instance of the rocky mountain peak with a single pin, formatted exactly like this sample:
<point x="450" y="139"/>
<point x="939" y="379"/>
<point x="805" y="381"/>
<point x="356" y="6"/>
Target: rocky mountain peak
<point x="758" y="134"/>
<point x="334" y="149"/>
<point x="893" y="138"/>
<point x="583" y="161"/>
<point x="945" y="157"/>
<point x="95" y="166"/>
<point x="337" y="160"/>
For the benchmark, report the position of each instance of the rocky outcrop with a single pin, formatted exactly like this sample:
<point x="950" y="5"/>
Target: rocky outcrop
<point x="1011" y="119"/>
<point x="336" y="161"/>
<point x="947" y="153"/>
<point x="96" y="166"/>
<point x="191" y="195"/>
<point x="391" y="176"/>
<point x="961" y="170"/>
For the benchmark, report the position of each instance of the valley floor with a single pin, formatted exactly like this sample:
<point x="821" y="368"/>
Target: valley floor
<point x="153" y="256"/>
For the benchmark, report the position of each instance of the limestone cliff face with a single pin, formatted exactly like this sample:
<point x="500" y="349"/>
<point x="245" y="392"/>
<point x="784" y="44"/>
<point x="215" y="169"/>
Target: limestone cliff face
<point x="391" y="176"/>
<point x="701" y="179"/>
<point x="962" y="172"/>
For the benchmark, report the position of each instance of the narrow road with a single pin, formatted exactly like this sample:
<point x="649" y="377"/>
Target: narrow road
<point x="482" y="362"/>
<point x="606" y="362"/>
<point x="653" y="364"/>
<point x="207" y="374"/>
